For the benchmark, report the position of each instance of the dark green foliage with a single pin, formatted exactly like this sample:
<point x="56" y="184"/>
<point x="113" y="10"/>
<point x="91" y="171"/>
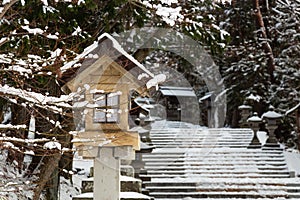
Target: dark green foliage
<point x="244" y="64"/>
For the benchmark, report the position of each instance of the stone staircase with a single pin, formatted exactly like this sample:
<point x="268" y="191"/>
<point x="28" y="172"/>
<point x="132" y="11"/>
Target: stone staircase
<point x="190" y="162"/>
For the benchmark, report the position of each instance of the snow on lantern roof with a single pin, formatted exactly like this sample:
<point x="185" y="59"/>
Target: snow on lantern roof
<point x="105" y="45"/>
<point x="271" y="114"/>
<point x="241" y="107"/>
<point x="254" y="118"/>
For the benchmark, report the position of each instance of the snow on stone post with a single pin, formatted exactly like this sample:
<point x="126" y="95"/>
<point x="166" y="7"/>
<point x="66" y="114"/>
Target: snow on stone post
<point x="271" y="118"/>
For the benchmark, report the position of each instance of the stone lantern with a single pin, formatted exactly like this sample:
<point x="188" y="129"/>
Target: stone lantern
<point x="245" y="113"/>
<point x="271" y="118"/>
<point x="254" y="122"/>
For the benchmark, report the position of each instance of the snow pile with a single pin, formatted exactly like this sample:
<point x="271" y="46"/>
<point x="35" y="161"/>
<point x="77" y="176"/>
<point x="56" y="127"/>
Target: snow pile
<point x="68" y="189"/>
<point x="156" y="80"/>
<point x="52" y="145"/>
<point x="293" y="161"/>
<point x="164" y="9"/>
<point x="14" y="184"/>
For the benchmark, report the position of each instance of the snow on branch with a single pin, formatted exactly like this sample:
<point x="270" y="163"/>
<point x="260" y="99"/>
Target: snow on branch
<point x="55" y="104"/>
<point x="24" y="141"/>
<point x="10" y="126"/>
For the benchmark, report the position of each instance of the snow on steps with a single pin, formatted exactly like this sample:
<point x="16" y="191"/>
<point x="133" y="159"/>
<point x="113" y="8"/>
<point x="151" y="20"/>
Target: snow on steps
<point x="191" y="163"/>
<point x="185" y="138"/>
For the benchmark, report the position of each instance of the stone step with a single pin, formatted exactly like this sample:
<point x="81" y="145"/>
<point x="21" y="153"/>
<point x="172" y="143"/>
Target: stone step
<point x="212" y="194"/>
<point x="227" y="188"/>
<point x="208" y="159"/>
<point x="228" y="151"/>
<point x="196" y="170"/>
<point x="172" y="189"/>
<point x="222" y="182"/>
<point x="248" y="175"/>
<point x="282" y="198"/>
<point x="198" y="138"/>
<point x="168" y="159"/>
<point x="224" y="187"/>
<point x="184" y="146"/>
<point x="294" y="196"/>
<point x="214" y="163"/>
<point x="188" y="164"/>
<point x="207" y="131"/>
<point x="202" y="155"/>
<point x="167" y="138"/>
<point x="293" y="190"/>
<point x="221" y="167"/>
<point x="220" y="171"/>
<point x="199" y="142"/>
<point x="198" y="134"/>
<point x="185" y="168"/>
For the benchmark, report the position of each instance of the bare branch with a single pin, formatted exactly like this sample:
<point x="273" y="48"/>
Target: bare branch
<point x="6" y="7"/>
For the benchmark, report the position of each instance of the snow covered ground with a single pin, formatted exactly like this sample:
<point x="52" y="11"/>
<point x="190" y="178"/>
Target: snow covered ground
<point x="68" y="189"/>
<point x="293" y="161"/>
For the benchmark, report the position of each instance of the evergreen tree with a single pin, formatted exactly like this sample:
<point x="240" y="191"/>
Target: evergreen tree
<point x="261" y="61"/>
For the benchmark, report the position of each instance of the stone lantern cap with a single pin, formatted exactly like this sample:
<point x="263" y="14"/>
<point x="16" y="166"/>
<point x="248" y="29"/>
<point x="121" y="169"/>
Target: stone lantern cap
<point x="254" y="118"/>
<point x="271" y="114"/>
<point x="244" y="107"/>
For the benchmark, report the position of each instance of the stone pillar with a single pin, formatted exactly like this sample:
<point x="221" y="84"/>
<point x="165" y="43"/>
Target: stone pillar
<point x="107" y="175"/>
<point x="107" y="171"/>
<point x="254" y="122"/>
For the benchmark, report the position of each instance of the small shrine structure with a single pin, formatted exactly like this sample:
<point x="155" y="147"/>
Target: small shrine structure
<point x="180" y="102"/>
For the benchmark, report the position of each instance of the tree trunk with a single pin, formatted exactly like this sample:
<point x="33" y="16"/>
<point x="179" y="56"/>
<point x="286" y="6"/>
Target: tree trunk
<point x="266" y="45"/>
<point x="53" y="185"/>
<point x="19" y="116"/>
<point x="50" y="164"/>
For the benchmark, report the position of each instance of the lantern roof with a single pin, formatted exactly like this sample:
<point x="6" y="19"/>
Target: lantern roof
<point x="271" y="114"/>
<point x="254" y="118"/>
